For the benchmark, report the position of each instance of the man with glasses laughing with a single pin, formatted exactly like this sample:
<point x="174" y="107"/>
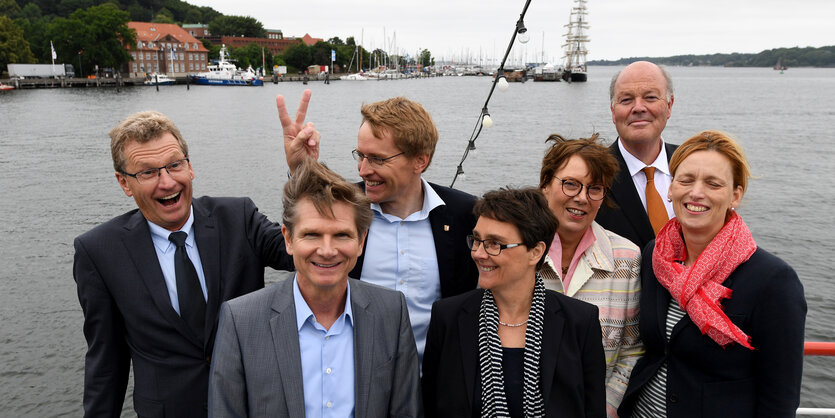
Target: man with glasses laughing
<point x="417" y="240"/>
<point x="151" y="281"/>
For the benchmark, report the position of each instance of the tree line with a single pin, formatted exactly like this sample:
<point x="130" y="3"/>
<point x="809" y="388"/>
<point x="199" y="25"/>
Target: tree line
<point x="90" y="33"/>
<point x="790" y="57"/>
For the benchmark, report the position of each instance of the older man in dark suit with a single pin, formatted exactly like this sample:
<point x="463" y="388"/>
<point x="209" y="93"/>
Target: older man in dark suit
<point x="319" y="344"/>
<point x="151" y="281"/>
<point x="642" y="99"/>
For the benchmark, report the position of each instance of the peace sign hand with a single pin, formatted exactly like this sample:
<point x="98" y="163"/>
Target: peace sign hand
<point x="300" y="140"/>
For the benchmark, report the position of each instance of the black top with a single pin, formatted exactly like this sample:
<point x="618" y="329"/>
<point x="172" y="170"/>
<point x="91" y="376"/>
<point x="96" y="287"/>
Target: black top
<point x="513" y="373"/>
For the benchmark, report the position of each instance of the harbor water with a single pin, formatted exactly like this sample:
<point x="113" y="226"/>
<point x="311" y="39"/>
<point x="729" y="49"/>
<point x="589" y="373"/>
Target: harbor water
<point x="57" y="181"/>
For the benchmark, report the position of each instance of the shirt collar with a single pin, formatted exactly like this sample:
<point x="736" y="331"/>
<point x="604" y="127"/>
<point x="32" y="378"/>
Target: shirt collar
<point x="159" y="235"/>
<point x="635" y="165"/>
<point x="431" y="200"/>
<point x="305" y="314"/>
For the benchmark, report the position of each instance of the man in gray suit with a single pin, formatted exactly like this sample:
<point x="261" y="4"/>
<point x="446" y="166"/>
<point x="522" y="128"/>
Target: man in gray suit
<point x="320" y="344"/>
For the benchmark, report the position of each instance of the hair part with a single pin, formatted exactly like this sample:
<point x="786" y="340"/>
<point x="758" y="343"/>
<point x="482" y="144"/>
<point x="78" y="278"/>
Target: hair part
<point x="667" y="78"/>
<point x="316" y="182"/>
<point x="603" y="166"/>
<point x="409" y="124"/>
<point x="141" y="127"/>
<point x="720" y="142"/>
<point x="526" y="209"/>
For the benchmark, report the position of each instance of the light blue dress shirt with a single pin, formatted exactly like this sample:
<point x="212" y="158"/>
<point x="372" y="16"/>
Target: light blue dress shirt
<point x="165" y="254"/>
<point x="400" y="255"/>
<point x="327" y="360"/>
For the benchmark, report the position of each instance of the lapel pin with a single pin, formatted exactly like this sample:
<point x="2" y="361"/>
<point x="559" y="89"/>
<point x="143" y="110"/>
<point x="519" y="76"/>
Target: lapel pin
<point x="446" y="228"/>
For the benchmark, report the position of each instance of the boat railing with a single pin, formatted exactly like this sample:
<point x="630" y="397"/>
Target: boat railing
<point x="817" y="348"/>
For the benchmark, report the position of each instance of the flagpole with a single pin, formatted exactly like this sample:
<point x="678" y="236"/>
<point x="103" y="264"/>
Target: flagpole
<point x="52" y="48"/>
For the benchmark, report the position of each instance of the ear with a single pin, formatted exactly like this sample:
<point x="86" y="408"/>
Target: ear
<point x="670" y="106"/>
<point x="536" y="253"/>
<point x="421" y="162"/>
<point x="362" y="241"/>
<point x="288" y="239"/>
<point x="123" y="183"/>
<point x="737" y="197"/>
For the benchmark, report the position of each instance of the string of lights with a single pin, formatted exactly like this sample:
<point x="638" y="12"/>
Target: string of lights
<point x="484" y="120"/>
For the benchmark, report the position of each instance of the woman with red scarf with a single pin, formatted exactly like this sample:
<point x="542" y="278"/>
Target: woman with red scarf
<point x="722" y="320"/>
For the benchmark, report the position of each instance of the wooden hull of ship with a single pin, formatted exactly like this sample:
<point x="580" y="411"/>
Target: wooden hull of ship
<point x="573" y="76"/>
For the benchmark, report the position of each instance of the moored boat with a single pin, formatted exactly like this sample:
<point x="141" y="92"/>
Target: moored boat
<point x="161" y="79"/>
<point x="4" y="87"/>
<point x="575" y="44"/>
<point x="225" y="73"/>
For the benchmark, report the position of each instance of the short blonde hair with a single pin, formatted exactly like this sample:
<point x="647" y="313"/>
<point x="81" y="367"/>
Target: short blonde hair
<point x="720" y="142"/>
<point x="409" y="124"/>
<point x="141" y="127"/>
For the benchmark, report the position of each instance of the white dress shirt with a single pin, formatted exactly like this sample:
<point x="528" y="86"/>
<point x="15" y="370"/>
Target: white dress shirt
<point x="662" y="177"/>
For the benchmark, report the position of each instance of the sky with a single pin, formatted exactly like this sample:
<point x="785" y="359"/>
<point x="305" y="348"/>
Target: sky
<point x="481" y="29"/>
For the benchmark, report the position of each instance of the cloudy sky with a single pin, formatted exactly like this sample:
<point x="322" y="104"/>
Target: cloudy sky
<point x="618" y="28"/>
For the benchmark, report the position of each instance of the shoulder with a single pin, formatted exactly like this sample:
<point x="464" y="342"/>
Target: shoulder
<point x="112" y="227"/>
<point x="573" y="307"/>
<point x="621" y="247"/>
<point x="254" y="303"/>
<point x="381" y="297"/>
<point x="453" y="196"/>
<point x="447" y="306"/>
<point x="213" y="204"/>
<point x="770" y="271"/>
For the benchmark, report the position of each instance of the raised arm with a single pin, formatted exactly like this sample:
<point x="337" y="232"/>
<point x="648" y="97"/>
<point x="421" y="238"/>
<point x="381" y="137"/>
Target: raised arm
<point x="300" y="140"/>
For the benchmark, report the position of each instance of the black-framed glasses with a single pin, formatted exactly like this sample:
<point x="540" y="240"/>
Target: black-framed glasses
<point x="152" y="174"/>
<point x="572" y="188"/>
<point x="375" y="161"/>
<point x="491" y="246"/>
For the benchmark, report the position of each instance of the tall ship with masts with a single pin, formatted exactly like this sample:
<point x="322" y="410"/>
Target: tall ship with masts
<point x="575" y="43"/>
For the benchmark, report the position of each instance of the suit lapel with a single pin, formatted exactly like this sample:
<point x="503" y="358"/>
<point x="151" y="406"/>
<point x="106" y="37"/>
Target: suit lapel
<point x="468" y="338"/>
<point x="356" y="272"/>
<point x="140" y="246"/>
<point x="208" y="245"/>
<point x="364" y="326"/>
<point x="286" y="344"/>
<point x="553" y="325"/>
<point x="627" y="199"/>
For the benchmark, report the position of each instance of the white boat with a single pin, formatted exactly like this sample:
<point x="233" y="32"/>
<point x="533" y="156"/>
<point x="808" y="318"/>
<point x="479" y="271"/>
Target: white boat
<point x="225" y="73"/>
<point x="161" y="79"/>
<point x="354" y="77"/>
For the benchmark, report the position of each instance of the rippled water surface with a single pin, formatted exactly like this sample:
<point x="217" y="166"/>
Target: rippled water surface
<point x="56" y="181"/>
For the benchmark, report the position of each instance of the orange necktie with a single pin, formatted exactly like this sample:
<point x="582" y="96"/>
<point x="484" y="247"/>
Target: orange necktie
<point x="655" y="206"/>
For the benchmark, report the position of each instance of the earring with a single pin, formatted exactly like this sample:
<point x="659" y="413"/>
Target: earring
<point x="669" y="200"/>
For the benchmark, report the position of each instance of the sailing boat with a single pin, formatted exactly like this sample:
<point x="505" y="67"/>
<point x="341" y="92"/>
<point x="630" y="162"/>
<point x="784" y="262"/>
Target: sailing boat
<point x="575" y="44"/>
<point x="357" y="76"/>
<point x="780" y="66"/>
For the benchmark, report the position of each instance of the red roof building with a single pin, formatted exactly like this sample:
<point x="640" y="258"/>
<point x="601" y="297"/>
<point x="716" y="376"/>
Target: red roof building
<point x="165" y="48"/>
<point x="309" y="40"/>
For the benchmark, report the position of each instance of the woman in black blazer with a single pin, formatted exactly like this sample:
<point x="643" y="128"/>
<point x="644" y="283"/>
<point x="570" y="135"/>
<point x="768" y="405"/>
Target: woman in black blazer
<point x="513" y="348"/>
<point x="722" y="321"/>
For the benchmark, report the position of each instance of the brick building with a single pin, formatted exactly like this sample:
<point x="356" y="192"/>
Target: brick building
<point x="165" y="48"/>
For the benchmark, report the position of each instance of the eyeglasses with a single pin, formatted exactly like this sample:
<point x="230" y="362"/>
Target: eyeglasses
<point x="375" y="161"/>
<point x="491" y="246"/>
<point x="151" y="174"/>
<point x="572" y="188"/>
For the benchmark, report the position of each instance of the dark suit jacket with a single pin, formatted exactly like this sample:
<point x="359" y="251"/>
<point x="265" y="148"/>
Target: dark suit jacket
<point x="128" y="314"/>
<point x="572" y="364"/>
<point x="628" y="219"/>
<point x="451" y="223"/>
<point x="257" y="369"/>
<point x="706" y="380"/>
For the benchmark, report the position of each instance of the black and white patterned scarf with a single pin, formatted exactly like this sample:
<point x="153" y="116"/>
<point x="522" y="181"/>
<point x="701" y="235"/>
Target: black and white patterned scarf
<point x="493" y="400"/>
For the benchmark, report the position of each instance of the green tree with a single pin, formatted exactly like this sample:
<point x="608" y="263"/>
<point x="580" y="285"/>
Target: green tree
<point x="335" y="41"/>
<point x="426" y="58"/>
<point x="193" y="16"/>
<point x="164" y="16"/>
<point x="214" y="50"/>
<point x="237" y="26"/>
<point x="250" y="55"/>
<point x="9" y="8"/>
<point x="96" y="35"/>
<point x="13" y="48"/>
<point x="298" y="57"/>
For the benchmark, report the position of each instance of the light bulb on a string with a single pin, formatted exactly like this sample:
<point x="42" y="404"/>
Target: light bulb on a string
<point x="503" y="84"/>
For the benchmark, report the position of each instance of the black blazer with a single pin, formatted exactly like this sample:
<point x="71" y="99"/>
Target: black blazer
<point x="628" y="219"/>
<point x="705" y="380"/>
<point x="572" y="364"/>
<point x="451" y="223"/>
<point x="128" y="314"/>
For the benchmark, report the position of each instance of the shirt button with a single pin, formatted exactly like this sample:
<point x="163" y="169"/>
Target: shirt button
<point x="402" y="281"/>
<point x="402" y="252"/>
<point x="328" y="370"/>
<point x="329" y="404"/>
<point x="327" y="337"/>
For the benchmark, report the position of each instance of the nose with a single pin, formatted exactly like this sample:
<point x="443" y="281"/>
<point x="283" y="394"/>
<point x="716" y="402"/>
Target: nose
<point x="165" y="180"/>
<point x="364" y="167"/>
<point x="327" y="249"/>
<point x="479" y="253"/>
<point x="640" y="106"/>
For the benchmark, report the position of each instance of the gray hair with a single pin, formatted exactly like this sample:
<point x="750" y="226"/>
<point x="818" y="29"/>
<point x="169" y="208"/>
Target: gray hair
<point x="667" y="78"/>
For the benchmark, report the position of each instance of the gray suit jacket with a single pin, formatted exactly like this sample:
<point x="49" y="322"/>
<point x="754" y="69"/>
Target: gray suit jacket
<point x="256" y="367"/>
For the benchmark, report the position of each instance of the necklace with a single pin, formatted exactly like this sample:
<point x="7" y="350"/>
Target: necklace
<point x="513" y="325"/>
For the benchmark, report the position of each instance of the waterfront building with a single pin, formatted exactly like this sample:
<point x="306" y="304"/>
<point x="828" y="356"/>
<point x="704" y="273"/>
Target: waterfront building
<point x="165" y="48"/>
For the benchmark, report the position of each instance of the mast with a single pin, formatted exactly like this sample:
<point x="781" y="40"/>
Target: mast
<point x="576" y="38"/>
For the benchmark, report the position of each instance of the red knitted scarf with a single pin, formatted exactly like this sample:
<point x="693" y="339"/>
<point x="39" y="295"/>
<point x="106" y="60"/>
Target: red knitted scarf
<point x="698" y="288"/>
